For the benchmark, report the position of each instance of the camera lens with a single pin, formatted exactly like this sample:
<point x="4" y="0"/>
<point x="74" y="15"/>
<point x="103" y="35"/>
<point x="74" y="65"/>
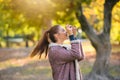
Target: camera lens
<point x="70" y="26"/>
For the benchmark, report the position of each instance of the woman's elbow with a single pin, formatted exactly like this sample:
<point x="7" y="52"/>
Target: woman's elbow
<point x="81" y="58"/>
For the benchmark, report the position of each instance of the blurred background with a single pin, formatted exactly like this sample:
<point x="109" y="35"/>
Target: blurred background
<point x="23" y="22"/>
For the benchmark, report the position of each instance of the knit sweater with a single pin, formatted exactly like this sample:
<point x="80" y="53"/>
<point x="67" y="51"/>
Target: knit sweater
<point x="64" y="60"/>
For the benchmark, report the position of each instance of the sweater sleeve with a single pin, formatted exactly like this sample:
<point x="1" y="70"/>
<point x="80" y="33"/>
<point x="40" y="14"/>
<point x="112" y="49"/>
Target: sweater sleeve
<point x="71" y="37"/>
<point x="62" y="55"/>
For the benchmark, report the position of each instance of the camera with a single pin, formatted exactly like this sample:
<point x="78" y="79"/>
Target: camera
<point x="70" y="26"/>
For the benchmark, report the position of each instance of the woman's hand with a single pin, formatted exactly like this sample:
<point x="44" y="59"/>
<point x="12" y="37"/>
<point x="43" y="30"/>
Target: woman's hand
<point x="74" y="29"/>
<point x="69" y="29"/>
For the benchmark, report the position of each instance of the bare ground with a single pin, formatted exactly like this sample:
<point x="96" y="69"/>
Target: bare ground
<point x="15" y="64"/>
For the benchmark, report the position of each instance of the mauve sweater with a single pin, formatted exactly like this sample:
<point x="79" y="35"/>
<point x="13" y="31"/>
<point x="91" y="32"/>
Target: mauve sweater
<point x="62" y="60"/>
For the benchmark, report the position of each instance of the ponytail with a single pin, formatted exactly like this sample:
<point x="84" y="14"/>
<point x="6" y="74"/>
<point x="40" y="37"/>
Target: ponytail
<point x="42" y="46"/>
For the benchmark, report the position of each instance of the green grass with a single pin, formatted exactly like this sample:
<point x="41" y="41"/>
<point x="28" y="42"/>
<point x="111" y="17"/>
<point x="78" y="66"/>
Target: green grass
<point x="115" y="71"/>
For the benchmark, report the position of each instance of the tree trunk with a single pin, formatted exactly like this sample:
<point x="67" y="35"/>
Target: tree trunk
<point x="102" y="60"/>
<point x="26" y="43"/>
<point x="0" y="45"/>
<point x="7" y="39"/>
<point x="101" y="64"/>
<point x="101" y="42"/>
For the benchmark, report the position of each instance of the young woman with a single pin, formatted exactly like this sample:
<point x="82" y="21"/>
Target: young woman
<point x="63" y="60"/>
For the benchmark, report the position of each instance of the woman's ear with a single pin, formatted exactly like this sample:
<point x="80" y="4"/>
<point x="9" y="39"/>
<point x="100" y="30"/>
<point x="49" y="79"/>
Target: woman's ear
<point x="56" y="36"/>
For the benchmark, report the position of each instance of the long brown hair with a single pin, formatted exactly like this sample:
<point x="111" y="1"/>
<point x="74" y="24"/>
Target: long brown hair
<point x="42" y="45"/>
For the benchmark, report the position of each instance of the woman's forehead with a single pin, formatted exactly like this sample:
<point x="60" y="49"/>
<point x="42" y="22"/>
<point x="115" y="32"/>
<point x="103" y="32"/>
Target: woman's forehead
<point x="61" y="28"/>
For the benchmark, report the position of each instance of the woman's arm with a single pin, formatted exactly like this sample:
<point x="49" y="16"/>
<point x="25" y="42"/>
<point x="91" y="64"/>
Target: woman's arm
<point x="62" y="55"/>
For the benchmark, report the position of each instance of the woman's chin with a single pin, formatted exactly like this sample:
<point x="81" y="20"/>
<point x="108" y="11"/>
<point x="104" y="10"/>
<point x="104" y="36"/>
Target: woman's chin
<point x="67" y="37"/>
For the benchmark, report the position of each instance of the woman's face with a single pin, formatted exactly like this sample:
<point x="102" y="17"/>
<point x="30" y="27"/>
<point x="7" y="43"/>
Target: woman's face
<point x="62" y="34"/>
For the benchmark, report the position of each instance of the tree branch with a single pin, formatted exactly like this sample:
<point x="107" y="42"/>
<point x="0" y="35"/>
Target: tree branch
<point x="108" y="6"/>
<point x="86" y="27"/>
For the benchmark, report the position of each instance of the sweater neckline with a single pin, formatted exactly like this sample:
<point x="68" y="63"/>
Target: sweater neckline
<point x="67" y="46"/>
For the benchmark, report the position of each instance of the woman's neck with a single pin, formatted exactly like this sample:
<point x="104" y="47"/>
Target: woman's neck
<point x="59" y="42"/>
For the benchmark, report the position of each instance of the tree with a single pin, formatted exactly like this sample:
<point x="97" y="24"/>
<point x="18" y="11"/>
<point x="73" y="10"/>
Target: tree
<point x="101" y="41"/>
<point x="32" y="15"/>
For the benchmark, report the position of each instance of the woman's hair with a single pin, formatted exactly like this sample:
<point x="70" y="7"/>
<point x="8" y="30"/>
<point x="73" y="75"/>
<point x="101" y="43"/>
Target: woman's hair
<point x="42" y="45"/>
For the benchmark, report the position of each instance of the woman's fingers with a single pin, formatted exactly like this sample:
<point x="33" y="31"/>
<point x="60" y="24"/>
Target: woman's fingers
<point x="69" y="29"/>
<point x="74" y="29"/>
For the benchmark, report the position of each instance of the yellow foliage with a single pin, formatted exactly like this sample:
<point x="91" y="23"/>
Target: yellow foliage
<point x="1" y="1"/>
